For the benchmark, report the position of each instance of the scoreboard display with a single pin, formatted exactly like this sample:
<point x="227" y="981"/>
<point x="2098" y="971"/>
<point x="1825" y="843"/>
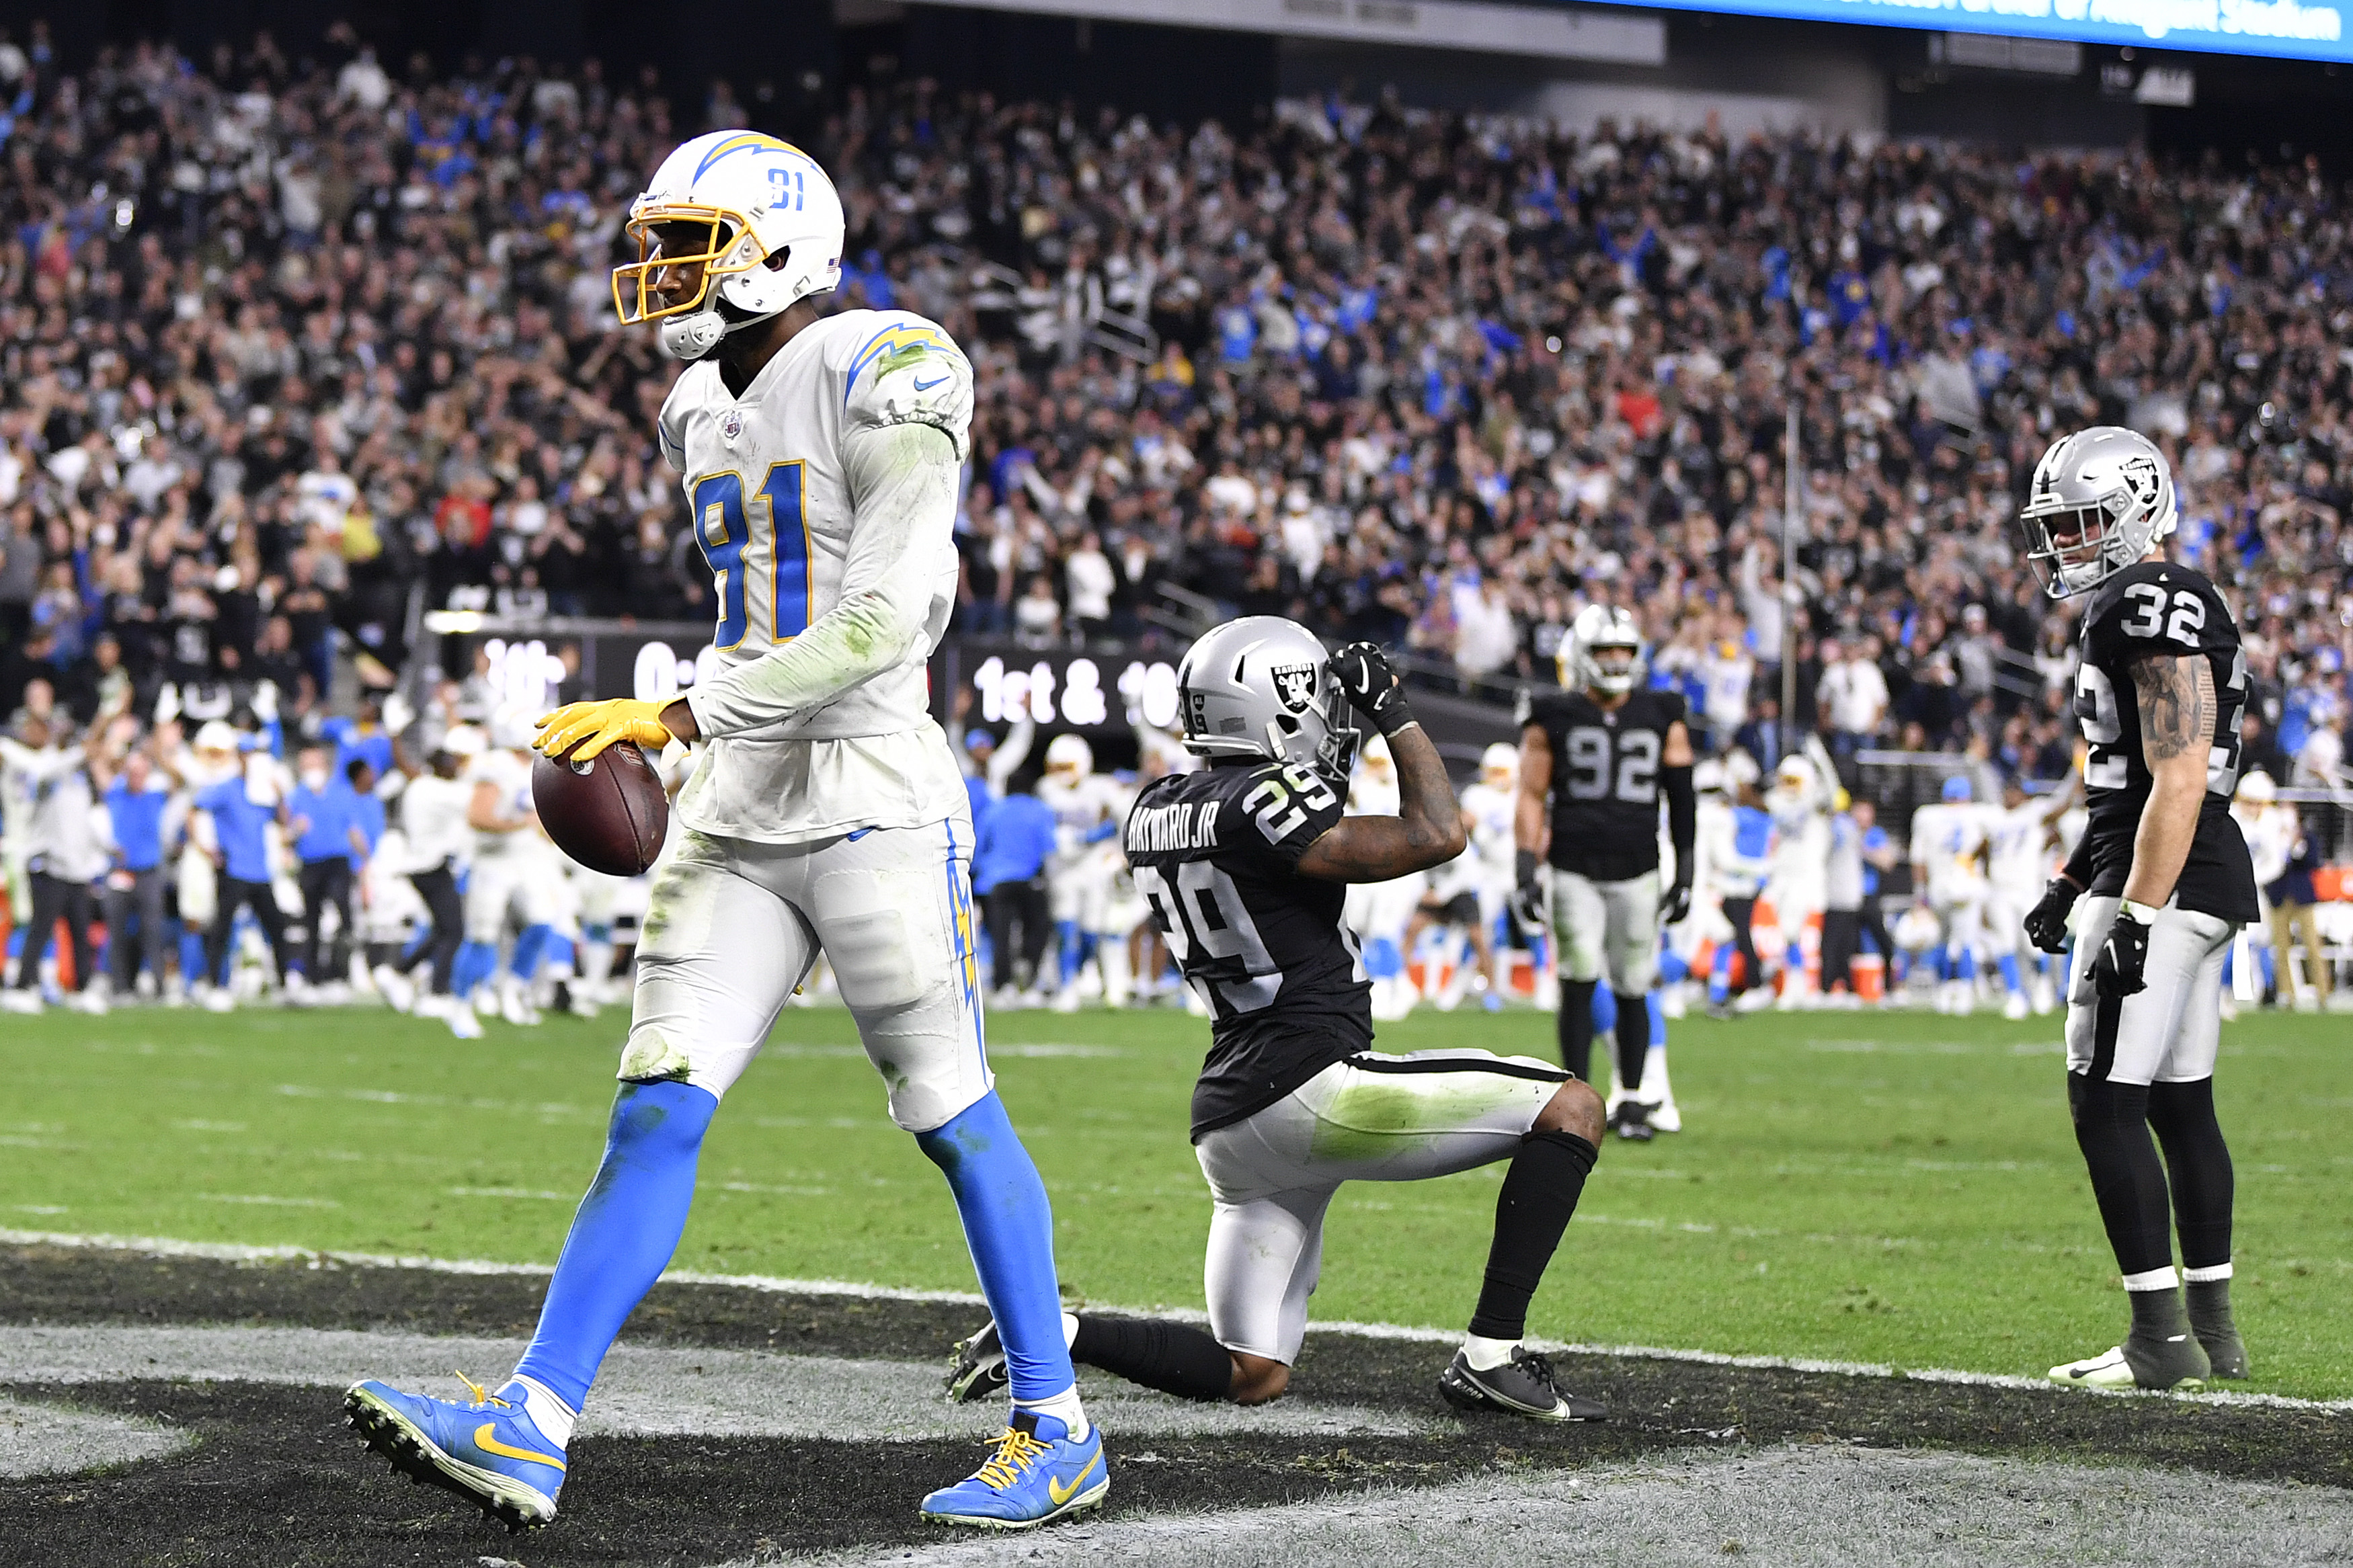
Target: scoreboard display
<point x="1059" y="688"/>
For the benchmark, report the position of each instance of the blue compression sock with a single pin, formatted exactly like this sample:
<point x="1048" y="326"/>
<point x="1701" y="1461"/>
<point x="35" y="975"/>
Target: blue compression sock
<point x="1658" y="1017"/>
<point x="2007" y="964"/>
<point x="1964" y="964"/>
<point x="1067" y="944"/>
<point x="1009" y="1226"/>
<point x="1719" y="979"/>
<point x="1671" y="969"/>
<point x="192" y="958"/>
<point x="531" y="952"/>
<point x="476" y="961"/>
<point x="624" y="1234"/>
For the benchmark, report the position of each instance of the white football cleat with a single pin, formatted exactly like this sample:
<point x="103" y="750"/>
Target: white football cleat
<point x="92" y="1002"/>
<point x="1665" y="1116"/>
<point x="1066" y="1000"/>
<point x="2015" y="1007"/>
<point x="399" y="990"/>
<point x="463" y="1022"/>
<point x="23" y="1000"/>
<point x="218" y="999"/>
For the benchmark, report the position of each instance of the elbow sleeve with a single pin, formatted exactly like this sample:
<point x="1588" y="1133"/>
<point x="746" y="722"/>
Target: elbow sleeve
<point x="1683" y="817"/>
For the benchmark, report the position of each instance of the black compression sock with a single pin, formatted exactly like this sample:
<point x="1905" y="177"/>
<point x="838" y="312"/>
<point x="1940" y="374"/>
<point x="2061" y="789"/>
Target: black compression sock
<point x="2210" y="1309"/>
<point x="1633" y="1039"/>
<point x="1576" y="1027"/>
<point x="1540" y="1193"/>
<point x="2199" y="1163"/>
<point x="1174" y="1358"/>
<point x="2127" y="1178"/>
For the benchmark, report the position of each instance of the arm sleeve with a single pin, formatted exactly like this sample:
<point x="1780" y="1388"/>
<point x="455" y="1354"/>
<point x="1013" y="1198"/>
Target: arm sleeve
<point x="1009" y="757"/>
<point x="2079" y="861"/>
<point x="1682" y="818"/>
<point x="903" y="486"/>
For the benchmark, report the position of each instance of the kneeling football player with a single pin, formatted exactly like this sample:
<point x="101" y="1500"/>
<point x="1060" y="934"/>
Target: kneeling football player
<point x="1243" y="866"/>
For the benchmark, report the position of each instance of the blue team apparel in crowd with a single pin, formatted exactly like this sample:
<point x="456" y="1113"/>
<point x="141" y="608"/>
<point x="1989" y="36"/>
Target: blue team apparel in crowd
<point x="241" y="825"/>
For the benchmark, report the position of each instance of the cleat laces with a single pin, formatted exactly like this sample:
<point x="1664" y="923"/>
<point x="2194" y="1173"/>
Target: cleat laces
<point x="1016" y="1452"/>
<point x="480" y="1398"/>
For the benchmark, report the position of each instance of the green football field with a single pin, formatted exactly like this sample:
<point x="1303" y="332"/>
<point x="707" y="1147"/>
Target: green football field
<point x="1898" y="1188"/>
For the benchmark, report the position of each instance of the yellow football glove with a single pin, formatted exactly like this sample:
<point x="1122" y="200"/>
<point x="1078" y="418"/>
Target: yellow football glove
<point x="593" y="726"/>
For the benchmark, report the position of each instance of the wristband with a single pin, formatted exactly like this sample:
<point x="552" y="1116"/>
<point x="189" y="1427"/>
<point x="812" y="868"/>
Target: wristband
<point x="2140" y="914"/>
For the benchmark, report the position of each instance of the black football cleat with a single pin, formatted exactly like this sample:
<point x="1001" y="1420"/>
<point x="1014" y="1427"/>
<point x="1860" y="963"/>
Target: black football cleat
<point x="978" y="1370"/>
<point x="1520" y="1386"/>
<point x="1633" y="1118"/>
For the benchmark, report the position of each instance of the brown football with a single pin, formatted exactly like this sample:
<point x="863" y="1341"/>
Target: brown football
<point x="609" y="813"/>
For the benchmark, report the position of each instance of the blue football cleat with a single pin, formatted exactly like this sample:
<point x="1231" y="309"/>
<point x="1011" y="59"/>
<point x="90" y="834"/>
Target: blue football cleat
<point x="1038" y="1475"/>
<point x="487" y="1450"/>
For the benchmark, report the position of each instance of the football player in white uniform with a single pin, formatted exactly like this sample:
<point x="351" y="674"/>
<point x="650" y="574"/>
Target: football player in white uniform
<point x="1798" y="886"/>
<point x="1948" y="869"/>
<point x="1379" y="912"/>
<point x="1088" y="808"/>
<point x="2018" y="861"/>
<point x="820" y="456"/>
<point x="1490" y="807"/>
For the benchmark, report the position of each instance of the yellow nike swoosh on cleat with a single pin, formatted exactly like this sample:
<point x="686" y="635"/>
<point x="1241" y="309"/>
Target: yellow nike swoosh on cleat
<point x="1063" y="1494"/>
<point x="486" y="1439"/>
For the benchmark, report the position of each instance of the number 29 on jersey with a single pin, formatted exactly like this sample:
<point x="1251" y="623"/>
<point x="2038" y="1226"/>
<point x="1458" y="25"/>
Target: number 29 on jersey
<point x="731" y="527"/>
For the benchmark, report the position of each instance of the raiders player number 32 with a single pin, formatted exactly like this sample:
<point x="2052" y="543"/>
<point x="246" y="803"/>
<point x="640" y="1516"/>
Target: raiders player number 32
<point x="2165" y="882"/>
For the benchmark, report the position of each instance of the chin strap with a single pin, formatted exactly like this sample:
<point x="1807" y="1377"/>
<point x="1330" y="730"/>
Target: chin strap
<point x="690" y="337"/>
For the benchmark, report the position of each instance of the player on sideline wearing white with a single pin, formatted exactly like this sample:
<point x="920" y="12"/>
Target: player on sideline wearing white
<point x="1948" y="869"/>
<point x="820" y="458"/>
<point x="2018" y="863"/>
<point x="1088" y="808"/>
<point x="1380" y="912"/>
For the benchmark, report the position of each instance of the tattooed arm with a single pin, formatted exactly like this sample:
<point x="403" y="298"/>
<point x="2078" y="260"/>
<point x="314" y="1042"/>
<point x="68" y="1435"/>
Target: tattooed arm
<point x="2176" y="698"/>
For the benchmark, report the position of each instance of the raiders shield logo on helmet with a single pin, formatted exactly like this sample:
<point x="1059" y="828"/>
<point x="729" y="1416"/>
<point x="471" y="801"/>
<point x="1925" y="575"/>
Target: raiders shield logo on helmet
<point x="1295" y="684"/>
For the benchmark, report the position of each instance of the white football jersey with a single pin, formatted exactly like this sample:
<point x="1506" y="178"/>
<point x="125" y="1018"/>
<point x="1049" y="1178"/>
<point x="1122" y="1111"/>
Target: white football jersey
<point x="1081" y="806"/>
<point x="509" y="773"/>
<point x="767" y="490"/>
<point x="1949" y="839"/>
<point x="1492" y="813"/>
<point x="2017" y="850"/>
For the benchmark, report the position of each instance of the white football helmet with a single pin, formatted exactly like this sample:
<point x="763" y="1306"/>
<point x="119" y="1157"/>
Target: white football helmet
<point x="1586" y="653"/>
<point x="1262" y="687"/>
<point x="2258" y="789"/>
<point x="753" y="214"/>
<point x="2100" y="499"/>
<point x="1068" y="754"/>
<point x="1499" y="764"/>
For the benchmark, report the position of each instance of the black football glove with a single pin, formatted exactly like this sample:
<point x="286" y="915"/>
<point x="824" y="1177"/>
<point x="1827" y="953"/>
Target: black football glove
<point x="2046" y="923"/>
<point x="1528" y="896"/>
<point x="1677" y="904"/>
<point x="2123" y="955"/>
<point x="1371" y="686"/>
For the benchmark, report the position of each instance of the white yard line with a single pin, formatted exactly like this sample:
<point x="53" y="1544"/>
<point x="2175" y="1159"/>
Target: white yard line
<point x="232" y="1252"/>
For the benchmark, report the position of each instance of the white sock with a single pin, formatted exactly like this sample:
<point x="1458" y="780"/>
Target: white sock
<point x="1070" y="1327"/>
<point x="2208" y="1275"/>
<point x="2152" y="1280"/>
<point x="1486" y="1355"/>
<point x="550" y="1414"/>
<point x="1063" y="1408"/>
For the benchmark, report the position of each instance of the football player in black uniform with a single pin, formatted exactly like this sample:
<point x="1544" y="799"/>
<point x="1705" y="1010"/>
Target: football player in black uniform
<point x="1594" y="763"/>
<point x="1244" y="865"/>
<point x="2165" y="882"/>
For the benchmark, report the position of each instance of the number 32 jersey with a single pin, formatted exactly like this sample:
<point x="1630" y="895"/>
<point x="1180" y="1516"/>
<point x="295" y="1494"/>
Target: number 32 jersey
<point x="768" y="494"/>
<point x="2160" y="609"/>
<point x="1216" y="858"/>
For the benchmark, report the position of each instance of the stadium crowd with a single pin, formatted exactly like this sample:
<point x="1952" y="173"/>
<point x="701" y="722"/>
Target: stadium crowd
<point x="291" y="344"/>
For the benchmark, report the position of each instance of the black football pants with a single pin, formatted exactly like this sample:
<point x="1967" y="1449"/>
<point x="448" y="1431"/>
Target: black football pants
<point x="326" y="884"/>
<point x="257" y="897"/>
<point x="439" y="888"/>
<point x="1009" y="906"/>
<point x="55" y="899"/>
<point x="141" y="904"/>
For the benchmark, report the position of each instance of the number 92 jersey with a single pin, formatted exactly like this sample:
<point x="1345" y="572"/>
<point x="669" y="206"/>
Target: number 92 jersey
<point x="1215" y="856"/>
<point x="2158" y="609"/>
<point x="1604" y="780"/>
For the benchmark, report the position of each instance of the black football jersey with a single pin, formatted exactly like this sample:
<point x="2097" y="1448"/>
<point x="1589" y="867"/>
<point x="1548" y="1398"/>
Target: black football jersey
<point x="1215" y="856"/>
<point x="2155" y="607"/>
<point x="1604" y="780"/>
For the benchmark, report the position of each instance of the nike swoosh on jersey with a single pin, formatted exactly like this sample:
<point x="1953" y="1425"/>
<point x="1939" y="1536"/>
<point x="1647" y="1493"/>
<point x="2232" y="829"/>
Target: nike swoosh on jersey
<point x="486" y="1438"/>
<point x="927" y="385"/>
<point x="1063" y="1494"/>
